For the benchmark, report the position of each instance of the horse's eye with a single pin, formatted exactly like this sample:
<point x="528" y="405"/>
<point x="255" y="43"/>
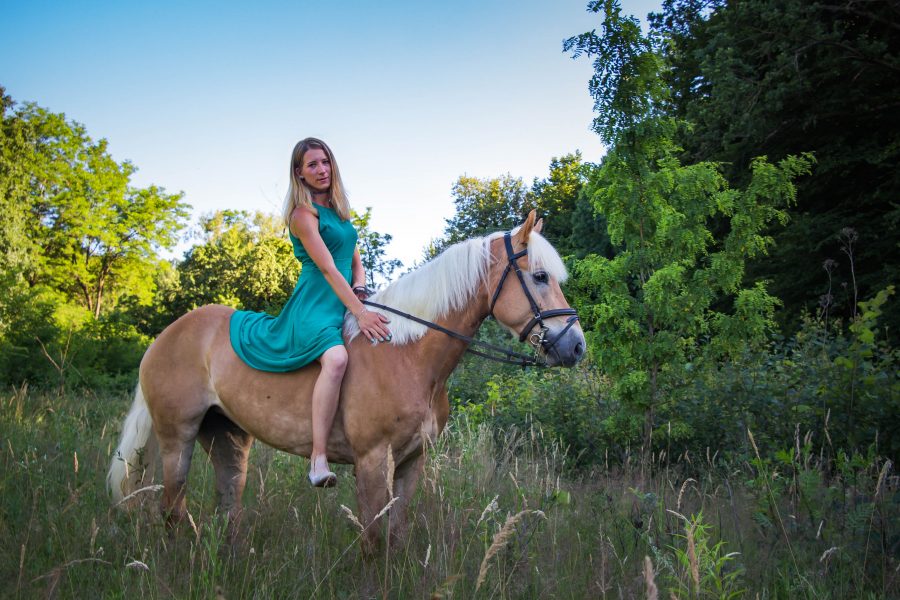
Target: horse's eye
<point x="541" y="277"/>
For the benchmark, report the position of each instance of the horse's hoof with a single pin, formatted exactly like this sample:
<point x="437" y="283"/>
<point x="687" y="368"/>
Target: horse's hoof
<point x="324" y="479"/>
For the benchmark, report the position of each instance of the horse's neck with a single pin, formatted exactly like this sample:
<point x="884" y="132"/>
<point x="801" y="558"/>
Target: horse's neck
<point x="443" y="352"/>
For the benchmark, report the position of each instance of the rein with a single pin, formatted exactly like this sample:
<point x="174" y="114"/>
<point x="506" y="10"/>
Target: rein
<point x="506" y="355"/>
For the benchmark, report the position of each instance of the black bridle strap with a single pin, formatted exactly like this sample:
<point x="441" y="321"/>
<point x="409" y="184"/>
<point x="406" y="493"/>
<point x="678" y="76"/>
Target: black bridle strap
<point x="538" y="318"/>
<point x="510" y="357"/>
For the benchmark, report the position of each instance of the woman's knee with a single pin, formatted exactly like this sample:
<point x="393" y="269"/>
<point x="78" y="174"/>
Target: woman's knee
<point x="334" y="361"/>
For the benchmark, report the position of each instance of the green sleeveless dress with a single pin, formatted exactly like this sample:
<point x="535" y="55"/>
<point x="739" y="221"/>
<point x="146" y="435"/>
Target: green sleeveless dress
<point x="312" y="320"/>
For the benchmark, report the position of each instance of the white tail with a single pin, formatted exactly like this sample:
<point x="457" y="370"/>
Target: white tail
<point x="136" y="452"/>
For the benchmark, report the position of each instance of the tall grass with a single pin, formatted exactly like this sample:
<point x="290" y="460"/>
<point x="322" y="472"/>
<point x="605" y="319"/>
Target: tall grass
<point x="496" y="515"/>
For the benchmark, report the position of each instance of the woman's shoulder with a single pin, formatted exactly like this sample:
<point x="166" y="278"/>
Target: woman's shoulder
<point x="301" y="217"/>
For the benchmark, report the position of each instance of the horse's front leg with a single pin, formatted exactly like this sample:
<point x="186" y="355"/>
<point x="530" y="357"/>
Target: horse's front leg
<point x="405" y="480"/>
<point x="372" y="496"/>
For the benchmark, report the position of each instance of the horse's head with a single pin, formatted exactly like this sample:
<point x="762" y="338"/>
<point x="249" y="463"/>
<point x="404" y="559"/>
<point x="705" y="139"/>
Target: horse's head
<point x="524" y="280"/>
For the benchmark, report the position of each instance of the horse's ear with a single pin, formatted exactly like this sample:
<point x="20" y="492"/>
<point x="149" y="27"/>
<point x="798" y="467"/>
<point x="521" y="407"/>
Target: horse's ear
<point x="525" y="230"/>
<point x="539" y="226"/>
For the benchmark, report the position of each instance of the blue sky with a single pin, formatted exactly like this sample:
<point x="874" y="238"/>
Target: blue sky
<point x="209" y="97"/>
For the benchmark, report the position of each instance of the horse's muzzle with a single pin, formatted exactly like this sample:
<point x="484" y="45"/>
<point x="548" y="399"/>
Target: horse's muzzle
<point x="566" y="350"/>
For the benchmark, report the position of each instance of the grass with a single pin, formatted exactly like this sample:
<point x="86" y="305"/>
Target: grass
<point x="496" y="515"/>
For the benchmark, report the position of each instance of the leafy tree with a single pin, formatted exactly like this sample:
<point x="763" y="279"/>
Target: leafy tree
<point x="71" y="219"/>
<point x="780" y="78"/>
<point x="483" y="206"/>
<point x="243" y="261"/>
<point x="372" y="249"/>
<point x="77" y="243"/>
<point x="672" y="285"/>
<point x="19" y="252"/>
<point x="570" y="221"/>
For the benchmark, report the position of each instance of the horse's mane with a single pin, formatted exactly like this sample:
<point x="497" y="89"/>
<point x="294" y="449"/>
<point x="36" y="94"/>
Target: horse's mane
<point x="448" y="282"/>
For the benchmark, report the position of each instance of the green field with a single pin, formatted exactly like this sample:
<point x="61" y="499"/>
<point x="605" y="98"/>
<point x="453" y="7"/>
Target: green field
<point x="497" y="515"/>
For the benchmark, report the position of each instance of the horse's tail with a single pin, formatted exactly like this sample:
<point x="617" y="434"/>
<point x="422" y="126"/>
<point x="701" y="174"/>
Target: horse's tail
<point x="133" y="462"/>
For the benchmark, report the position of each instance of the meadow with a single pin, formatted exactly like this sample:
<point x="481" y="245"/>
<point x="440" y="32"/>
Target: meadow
<point x="499" y="514"/>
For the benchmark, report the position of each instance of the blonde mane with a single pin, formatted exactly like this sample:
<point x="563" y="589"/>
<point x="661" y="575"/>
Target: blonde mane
<point x="447" y="282"/>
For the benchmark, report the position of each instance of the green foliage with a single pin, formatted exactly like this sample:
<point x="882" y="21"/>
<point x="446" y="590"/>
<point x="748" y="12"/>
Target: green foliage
<point x="703" y="569"/>
<point x="569" y="407"/>
<point x="570" y="221"/>
<point x="484" y="206"/>
<point x="242" y="260"/>
<point x="372" y="250"/>
<point x="593" y="536"/>
<point x="783" y="78"/>
<point x="673" y="282"/>
<point x="671" y="287"/>
<point x="71" y="219"/>
<point x="626" y="85"/>
<point x="77" y="244"/>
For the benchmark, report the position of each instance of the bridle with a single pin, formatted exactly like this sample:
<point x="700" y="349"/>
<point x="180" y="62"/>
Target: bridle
<point x="538" y="339"/>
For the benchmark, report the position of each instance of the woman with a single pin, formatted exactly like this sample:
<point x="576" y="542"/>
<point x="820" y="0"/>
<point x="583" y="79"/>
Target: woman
<point x="332" y="280"/>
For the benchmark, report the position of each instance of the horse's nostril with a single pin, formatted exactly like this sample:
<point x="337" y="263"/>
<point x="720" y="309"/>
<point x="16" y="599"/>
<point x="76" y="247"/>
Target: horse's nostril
<point x="579" y="349"/>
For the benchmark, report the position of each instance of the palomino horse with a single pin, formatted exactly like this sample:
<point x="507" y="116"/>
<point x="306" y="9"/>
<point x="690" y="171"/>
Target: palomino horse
<point x="394" y="397"/>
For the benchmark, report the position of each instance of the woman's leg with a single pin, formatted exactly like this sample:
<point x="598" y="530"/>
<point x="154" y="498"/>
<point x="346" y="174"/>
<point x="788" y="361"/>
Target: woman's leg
<point x="324" y="404"/>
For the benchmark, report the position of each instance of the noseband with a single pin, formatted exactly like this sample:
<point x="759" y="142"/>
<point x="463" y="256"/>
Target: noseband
<point x="538" y="339"/>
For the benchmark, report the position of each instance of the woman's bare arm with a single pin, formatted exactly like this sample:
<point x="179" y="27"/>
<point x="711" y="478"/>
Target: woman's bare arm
<point x="305" y="226"/>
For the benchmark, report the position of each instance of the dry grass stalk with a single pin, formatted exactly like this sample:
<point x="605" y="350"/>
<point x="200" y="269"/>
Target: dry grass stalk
<point x="681" y="491"/>
<point x="352" y="517"/>
<point x="677" y="514"/>
<point x="828" y="553"/>
<point x="692" y="559"/>
<point x="389" y="474"/>
<point x="194" y="526"/>
<point x="490" y="508"/>
<point x="884" y="471"/>
<point x="649" y="580"/>
<point x="136" y="564"/>
<point x="149" y="488"/>
<point x="21" y="567"/>
<point x="94" y="531"/>
<point x="500" y="540"/>
<point x="386" y="508"/>
<point x="57" y="571"/>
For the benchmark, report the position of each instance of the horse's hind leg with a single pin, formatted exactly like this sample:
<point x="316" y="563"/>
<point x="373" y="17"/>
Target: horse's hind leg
<point x="228" y="446"/>
<point x="176" y="449"/>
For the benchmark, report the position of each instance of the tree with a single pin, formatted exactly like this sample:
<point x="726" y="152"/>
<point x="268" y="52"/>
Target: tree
<point x="484" y="206"/>
<point x="77" y="243"/>
<point x="71" y="219"/>
<point x="781" y="78"/>
<point x="570" y="221"/>
<point x="243" y="261"/>
<point x="672" y="284"/>
<point x="372" y="249"/>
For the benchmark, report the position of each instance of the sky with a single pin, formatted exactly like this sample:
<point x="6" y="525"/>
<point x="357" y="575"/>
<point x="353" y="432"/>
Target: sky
<point x="209" y="98"/>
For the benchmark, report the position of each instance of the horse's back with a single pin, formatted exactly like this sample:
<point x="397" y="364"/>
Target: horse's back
<point x="175" y="371"/>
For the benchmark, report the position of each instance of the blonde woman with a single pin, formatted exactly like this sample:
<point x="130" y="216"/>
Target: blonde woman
<point x="332" y="281"/>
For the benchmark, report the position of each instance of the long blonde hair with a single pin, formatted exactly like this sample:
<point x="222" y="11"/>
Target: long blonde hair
<point x="298" y="194"/>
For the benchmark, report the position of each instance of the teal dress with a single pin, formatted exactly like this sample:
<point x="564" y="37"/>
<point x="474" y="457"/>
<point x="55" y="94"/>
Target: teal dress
<point x="312" y="320"/>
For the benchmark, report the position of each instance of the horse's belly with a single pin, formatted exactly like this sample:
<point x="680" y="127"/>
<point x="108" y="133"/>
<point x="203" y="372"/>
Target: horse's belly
<point x="276" y="408"/>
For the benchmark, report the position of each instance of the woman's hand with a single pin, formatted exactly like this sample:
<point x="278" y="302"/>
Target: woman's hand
<point x="374" y="326"/>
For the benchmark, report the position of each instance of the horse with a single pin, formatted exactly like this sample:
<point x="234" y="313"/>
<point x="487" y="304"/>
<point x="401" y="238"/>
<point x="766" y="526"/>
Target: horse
<point x="193" y="387"/>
